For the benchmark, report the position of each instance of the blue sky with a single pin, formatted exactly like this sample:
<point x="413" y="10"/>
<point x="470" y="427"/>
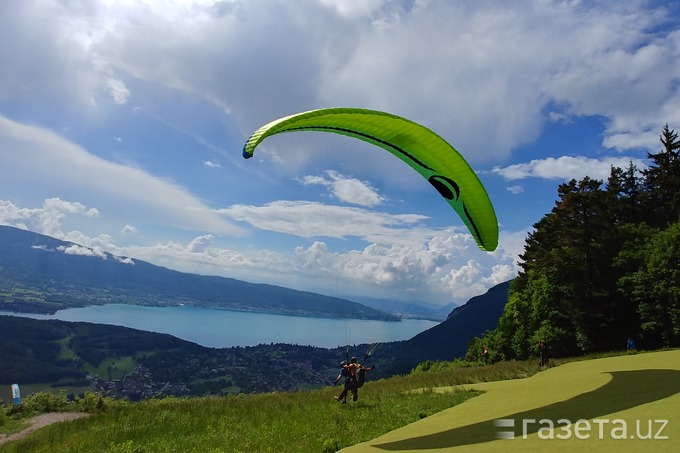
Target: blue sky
<point x="122" y="123"/>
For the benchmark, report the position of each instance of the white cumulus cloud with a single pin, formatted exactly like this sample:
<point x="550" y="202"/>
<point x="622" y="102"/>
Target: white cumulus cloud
<point x="567" y="167"/>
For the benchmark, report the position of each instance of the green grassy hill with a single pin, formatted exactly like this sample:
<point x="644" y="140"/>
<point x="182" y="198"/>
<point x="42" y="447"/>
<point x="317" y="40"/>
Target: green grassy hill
<point x="412" y="413"/>
<point x="626" y="403"/>
<point x="305" y="421"/>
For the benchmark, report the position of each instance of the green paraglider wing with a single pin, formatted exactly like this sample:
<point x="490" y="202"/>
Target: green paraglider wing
<point x="426" y="152"/>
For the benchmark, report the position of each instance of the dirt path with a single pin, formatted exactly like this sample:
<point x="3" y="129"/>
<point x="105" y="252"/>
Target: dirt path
<point x="40" y="421"/>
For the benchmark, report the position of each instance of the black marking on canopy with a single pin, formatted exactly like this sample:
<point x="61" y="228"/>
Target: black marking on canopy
<point x="473" y="224"/>
<point x="401" y="151"/>
<point x="438" y="181"/>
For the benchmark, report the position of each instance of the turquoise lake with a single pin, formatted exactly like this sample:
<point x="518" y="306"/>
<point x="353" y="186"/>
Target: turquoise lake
<point x="224" y="328"/>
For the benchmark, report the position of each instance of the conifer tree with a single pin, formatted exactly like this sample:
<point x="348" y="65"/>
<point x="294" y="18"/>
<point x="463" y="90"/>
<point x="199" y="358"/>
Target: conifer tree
<point x="662" y="181"/>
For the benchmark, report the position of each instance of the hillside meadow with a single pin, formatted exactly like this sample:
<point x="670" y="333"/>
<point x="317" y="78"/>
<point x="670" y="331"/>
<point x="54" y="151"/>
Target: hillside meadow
<point x="310" y="421"/>
<point x="420" y="411"/>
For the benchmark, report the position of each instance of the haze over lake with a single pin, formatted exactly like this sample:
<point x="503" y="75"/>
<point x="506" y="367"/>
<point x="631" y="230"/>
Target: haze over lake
<point x="225" y="328"/>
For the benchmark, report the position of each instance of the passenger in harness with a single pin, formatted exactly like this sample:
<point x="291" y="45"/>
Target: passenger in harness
<point x="361" y="375"/>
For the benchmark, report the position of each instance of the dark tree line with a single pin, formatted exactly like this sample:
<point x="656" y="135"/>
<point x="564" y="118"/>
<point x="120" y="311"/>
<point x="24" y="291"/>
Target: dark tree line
<point x="60" y="352"/>
<point x="602" y="266"/>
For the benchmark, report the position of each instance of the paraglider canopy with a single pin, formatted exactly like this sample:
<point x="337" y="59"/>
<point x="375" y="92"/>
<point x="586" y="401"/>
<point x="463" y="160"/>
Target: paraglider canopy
<point x="425" y="151"/>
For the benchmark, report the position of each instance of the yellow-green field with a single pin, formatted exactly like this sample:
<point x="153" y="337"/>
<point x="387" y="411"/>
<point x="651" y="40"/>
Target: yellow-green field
<point x="624" y="400"/>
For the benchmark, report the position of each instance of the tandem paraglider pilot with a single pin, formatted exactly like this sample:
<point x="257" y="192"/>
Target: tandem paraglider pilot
<point x="355" y="377"/>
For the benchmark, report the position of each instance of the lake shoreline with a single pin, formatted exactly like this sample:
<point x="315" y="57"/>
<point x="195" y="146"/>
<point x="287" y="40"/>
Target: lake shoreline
<point x="220" y="328"/>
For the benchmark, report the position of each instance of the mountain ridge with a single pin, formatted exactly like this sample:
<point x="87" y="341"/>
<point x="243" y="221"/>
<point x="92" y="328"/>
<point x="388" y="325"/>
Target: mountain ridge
<point x="449" y="339"/>
<point x="41" y="274"/>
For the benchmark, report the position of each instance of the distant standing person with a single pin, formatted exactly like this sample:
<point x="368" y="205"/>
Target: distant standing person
<point x="542" y="354"/>
<point x="486" y="355"/>
<point x="630" y="344"/>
